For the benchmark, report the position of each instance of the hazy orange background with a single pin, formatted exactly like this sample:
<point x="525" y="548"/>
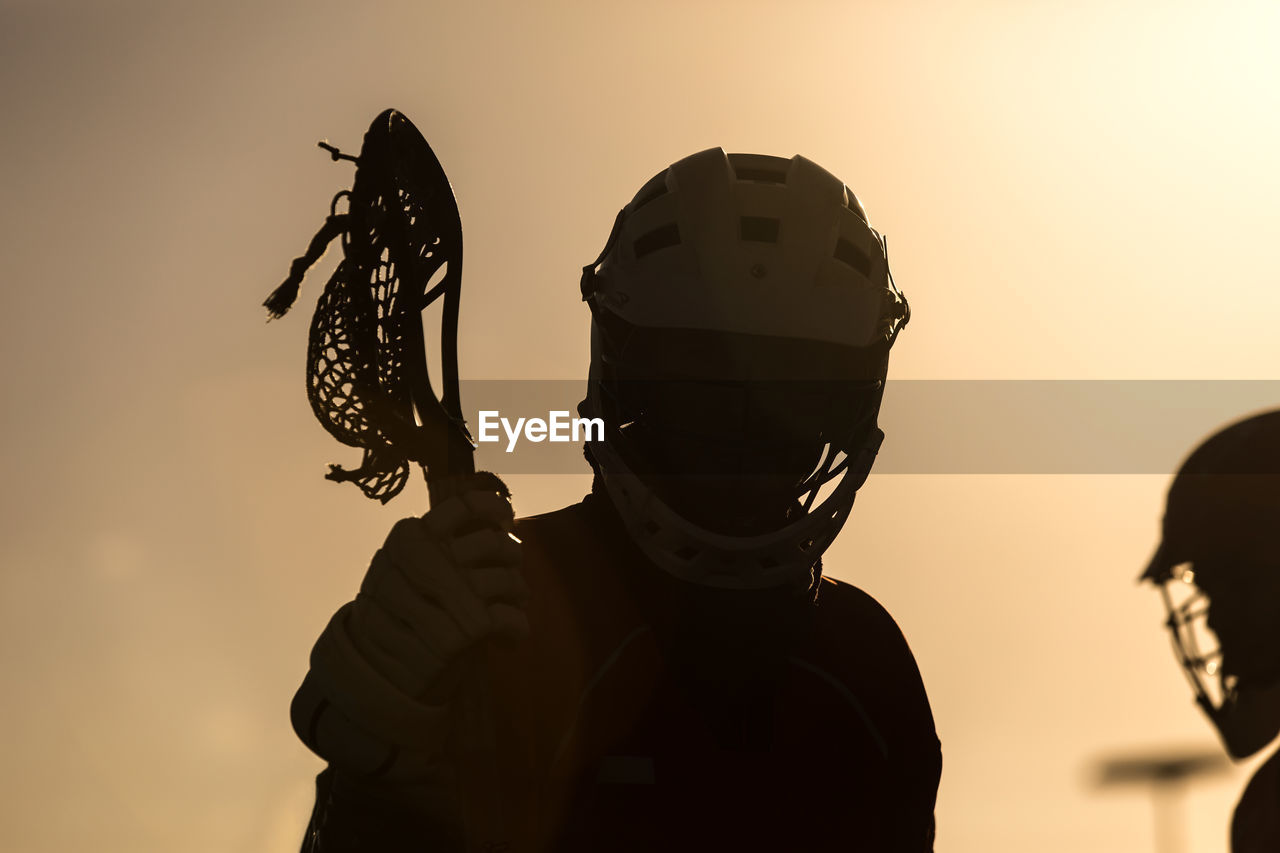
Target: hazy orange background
<point x="1071" y="190"/>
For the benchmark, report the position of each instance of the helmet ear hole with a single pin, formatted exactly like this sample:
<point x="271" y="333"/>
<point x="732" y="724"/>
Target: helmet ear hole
<point x="760" y="174"/>
<point x="847" y="253"/>
<point x="662" y="237"/>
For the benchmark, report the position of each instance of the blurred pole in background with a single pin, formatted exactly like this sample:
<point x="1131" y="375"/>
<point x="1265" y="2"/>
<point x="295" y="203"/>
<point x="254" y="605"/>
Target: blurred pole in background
<point x="1166" y="773"/>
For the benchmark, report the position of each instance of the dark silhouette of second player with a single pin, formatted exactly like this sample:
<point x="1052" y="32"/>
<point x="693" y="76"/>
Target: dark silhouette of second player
<point x="1218" y="569"/>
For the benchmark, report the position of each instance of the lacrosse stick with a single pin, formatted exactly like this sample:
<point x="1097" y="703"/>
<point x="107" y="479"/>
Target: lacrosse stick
<point x="367" y="377"/>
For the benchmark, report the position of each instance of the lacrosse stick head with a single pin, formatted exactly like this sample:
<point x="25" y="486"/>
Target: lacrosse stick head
<point x="367" y="376"/>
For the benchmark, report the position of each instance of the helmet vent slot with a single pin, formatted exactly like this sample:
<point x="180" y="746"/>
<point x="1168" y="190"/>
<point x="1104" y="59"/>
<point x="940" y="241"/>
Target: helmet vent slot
<point x="662" y="237"/>
<point x="655" y="190"/>
<point x="763" y="176"/>
<point x="855" y="257"/>
<point x="759" y="229"/>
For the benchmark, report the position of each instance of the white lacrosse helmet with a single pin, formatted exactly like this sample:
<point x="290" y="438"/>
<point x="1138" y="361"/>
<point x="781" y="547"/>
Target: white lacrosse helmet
<point x="742" y="316"/>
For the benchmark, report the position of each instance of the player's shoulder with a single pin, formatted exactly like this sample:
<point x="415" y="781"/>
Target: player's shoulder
<point x="569" y="544"/>
<point x="584" y="532"/>
<point x="1255" y="825"/>
<point x="848" y="622"/>
<point x="839" y="602"/>
<point x="554" y="540"/>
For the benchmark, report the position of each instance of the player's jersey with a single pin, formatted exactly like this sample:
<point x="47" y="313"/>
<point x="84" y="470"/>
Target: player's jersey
<point x="1255" y="827"/>
<point x="647" y="714"/>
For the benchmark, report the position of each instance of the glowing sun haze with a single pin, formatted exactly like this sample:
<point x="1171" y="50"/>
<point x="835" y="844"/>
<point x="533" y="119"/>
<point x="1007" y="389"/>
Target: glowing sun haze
<point x="1070" y="191"/>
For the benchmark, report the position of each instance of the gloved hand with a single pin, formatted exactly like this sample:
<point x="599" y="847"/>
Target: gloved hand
<point x="384" y="670"/>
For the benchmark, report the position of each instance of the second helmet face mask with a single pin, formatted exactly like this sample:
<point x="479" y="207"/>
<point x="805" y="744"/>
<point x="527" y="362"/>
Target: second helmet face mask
<point x="1225" y="640"/>
<point x="742" y="315"/>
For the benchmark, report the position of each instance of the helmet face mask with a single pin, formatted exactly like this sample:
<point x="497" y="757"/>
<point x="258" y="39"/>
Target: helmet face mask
<point x="740" y="484"/>
<point x="1235" y="678"/>
<point x="736" y="455"/>
<point x="742" y="315"/>
<point x="1196" y="646"/>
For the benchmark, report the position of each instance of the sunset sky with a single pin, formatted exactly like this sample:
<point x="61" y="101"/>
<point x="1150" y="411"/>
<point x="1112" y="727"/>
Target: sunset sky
<point x="1071" y="190"/>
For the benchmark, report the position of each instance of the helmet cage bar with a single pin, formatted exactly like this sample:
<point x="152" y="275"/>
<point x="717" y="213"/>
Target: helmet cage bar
<point x="898" y="314"/>
<point x="836" y="458"/>
<point x="1186" y="621"/>
<point x="823" y="474"/>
